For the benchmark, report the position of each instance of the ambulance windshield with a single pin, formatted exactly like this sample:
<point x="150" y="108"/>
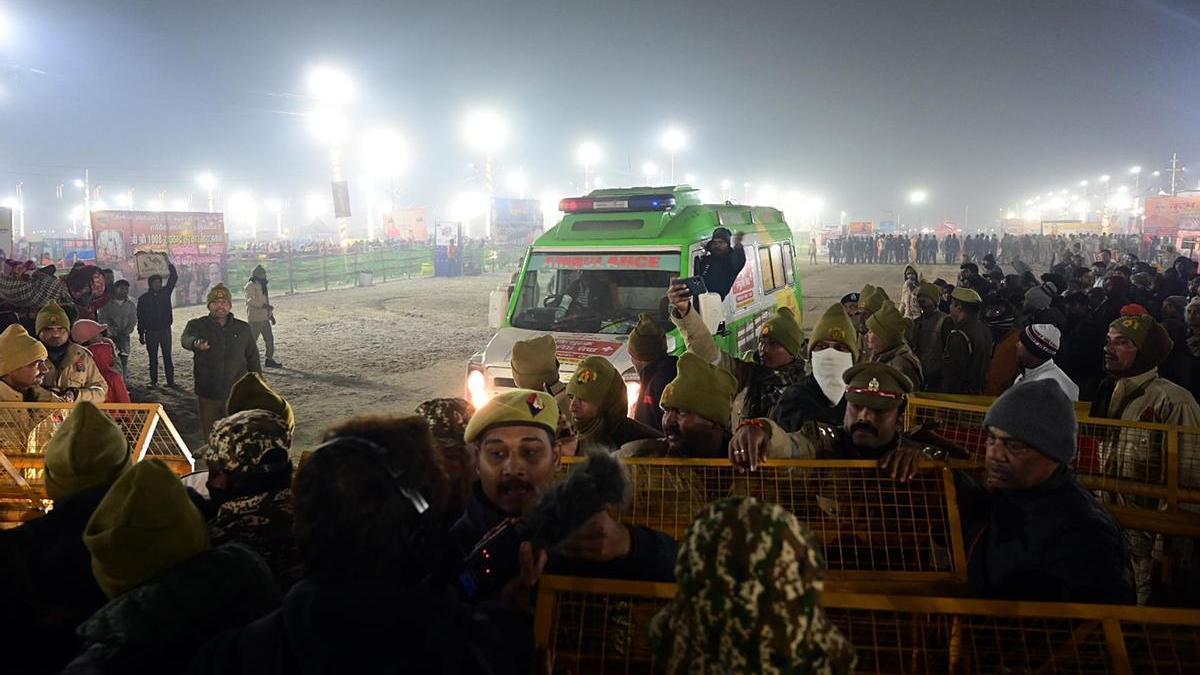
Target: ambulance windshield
<point x="595" y="292"/>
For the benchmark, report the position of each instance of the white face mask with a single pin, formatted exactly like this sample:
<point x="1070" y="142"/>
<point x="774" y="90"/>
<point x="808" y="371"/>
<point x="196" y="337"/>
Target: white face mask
<point x="828" y="365"/>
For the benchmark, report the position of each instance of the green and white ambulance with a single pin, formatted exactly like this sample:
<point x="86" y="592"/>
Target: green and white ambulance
<point x="611" y="258"/>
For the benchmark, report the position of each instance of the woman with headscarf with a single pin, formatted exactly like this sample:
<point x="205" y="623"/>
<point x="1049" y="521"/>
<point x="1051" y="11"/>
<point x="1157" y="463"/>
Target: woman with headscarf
<point x="909" y="308"/>
<point x="750" y="581"/>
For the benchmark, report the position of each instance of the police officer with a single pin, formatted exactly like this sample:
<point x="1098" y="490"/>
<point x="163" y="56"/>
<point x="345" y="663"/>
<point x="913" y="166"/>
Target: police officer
<point x="872" y="429"/>
<point x="968" y="350"/>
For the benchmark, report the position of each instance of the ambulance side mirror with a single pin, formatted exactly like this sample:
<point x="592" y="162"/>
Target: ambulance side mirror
<point x="712" y="311"/>
<point x="497" y="306"/>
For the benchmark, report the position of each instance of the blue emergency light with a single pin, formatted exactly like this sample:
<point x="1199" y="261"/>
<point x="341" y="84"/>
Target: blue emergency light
<point x="617" y="204"/>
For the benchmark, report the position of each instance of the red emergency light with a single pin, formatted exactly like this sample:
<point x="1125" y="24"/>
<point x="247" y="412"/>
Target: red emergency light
<point x="617" y="204"/>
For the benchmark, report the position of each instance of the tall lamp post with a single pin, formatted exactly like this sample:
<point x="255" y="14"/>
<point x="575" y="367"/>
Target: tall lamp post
<point x="650" y="171"/>
<point x="673" y="140"/>
<point x="208" y="182"/>
<point x="486" y="131"/>
<point x="387" y="155"/>
<point x="589" y="154"/>
<point x="918" y="198"/>
<point x="333" y="89"/>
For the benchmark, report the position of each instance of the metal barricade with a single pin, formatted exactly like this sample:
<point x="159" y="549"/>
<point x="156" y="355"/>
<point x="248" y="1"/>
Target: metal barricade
<point x="25" y="428"/>
<point x="585" y="626"/>
<point x="1147" y="474"/>
<point x="877" y="534"/>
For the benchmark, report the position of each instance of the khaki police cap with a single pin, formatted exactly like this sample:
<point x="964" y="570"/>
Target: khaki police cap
<point x="518" y="407"/>
<point x="967" y="295"/>
<point x="877" y="386"/>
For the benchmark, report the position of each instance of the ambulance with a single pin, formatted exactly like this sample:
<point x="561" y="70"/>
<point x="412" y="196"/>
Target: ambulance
<point x="611" y="258"/>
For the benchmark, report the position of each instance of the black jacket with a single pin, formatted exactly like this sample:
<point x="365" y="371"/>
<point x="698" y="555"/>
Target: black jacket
<point x="154" y="309"/>
<point x="651" y="558"/>
<point x="967" y="357"/>
<point x="360" y="627"/>
<point x="720" y="271"/>
<point x="231" y="354"/>
<point x="1054" y="543"/>
<point x="47" y="585"/>
<point x="156" y="627"/>
<point x="805" y="402"/>
<point x="654" y="379"/>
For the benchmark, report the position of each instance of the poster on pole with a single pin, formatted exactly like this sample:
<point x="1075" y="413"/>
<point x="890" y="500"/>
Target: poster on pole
<point x="406" y="224"/>
<point x="860" y="227"/>
<point x="445" y="234"/>
<point x="341" y="199"/>
<point x="515" y="222"/>
<point x="6" y="232"/>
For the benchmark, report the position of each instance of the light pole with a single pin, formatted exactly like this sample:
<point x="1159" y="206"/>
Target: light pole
<point x="726" y="186"/>
<point x="387" y="156"/>
<point x="650" y="171"/>
<point x="589" y="153"/>
<point x="486" y="131"/>
<point x="333" y="89"/>
<point x="276" y="207"/>
<point x="673" y="140"/>
<point x="917" y="198"/>
<point x="517" y="182"/>
<point x="208" y="182"/>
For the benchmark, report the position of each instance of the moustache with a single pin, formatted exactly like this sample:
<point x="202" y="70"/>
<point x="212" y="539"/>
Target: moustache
<point x="515" y="485"/>
<point x="864" y="426"/>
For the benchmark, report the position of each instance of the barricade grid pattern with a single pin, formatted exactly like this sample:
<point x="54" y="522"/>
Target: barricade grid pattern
<point x="26" y="429"/>
<point x="865" y="520"/>
<point x="1126" y="459"/>
<point x="594" y="632"/>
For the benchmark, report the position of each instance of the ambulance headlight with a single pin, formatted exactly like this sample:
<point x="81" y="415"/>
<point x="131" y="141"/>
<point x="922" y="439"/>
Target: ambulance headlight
<point x="633" y="390"/>
<point x="477" y="388"/>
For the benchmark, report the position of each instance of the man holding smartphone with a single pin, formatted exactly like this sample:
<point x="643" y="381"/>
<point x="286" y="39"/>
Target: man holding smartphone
<point x="723" y="260"/>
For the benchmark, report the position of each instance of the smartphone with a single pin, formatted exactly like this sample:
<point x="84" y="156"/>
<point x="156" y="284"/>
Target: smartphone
<point x="696" y="285"/>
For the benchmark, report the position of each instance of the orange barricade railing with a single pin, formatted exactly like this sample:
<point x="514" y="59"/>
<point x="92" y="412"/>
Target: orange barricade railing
<point x="25" y="428"/>
<point x="594" y="626"/>
<point x="877" y="534"/>
<point x="1148" y="474"/>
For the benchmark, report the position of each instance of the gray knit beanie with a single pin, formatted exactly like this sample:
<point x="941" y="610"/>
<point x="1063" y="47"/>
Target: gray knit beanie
<point x="1039" y="413"/>
<point x="1037" y="298"/>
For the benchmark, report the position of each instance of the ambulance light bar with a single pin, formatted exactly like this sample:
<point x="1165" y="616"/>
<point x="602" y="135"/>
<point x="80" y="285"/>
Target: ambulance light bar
<point x="636" y="203"/>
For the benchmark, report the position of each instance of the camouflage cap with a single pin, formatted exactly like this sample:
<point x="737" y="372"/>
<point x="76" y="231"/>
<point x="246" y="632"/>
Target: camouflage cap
<point x="750" y="574"/>
<point x="877" y="386"/>
<point x="248" y="442"/>
<point x="447" y="418"/>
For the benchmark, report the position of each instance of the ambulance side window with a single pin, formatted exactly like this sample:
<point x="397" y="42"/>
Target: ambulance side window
<point x="789" y="274"/>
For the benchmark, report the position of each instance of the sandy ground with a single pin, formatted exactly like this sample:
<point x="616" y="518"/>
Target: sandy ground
<point x="391" y="346"/>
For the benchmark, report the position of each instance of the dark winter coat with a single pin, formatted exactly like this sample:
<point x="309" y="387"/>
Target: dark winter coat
<point x="156" y="627"/>
<point x="651" y="556"/>
<point x="720" y="271"/>
<point x="360" y="628"/>
<point x="1053" y="542"/>
<point x="154" y="309"/>
<point x="231" y="354"/>
<point x="47" y="585"/>
<point x="654" y="379"/>
<point x="967" y="357"/>
<point x="805" y="402"/>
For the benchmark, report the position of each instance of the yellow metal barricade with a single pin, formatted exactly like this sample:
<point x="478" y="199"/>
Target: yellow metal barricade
<point x="25" y="428"/>
<point x="585" y="626"/>
<point x="876" y="533"/>
<point x="1147" y="474"/>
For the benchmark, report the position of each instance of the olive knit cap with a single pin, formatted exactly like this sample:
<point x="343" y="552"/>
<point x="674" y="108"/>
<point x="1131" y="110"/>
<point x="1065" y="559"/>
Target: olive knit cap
<point x="784" y="329"/>
<point x="889" y="325"/>
<point x="702" y="388"/>
<point x="88" y="450"/>
<point x="534" y="362"/>
<point x="647" y="341"/>
<point x="835" y="326"/>
<point x="143" y="527"/>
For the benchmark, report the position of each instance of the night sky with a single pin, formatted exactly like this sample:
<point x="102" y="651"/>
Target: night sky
<point x="981" y="103"/>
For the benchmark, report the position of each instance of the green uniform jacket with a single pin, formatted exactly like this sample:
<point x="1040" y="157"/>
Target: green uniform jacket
<point x="231" y="354"/>
<point x="967" y="357"/>
<point x="904" y="360"/>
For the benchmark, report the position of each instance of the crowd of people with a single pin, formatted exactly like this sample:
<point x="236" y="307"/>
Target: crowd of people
<point x="416" y="541"/>
<point x="928" y="249"/>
